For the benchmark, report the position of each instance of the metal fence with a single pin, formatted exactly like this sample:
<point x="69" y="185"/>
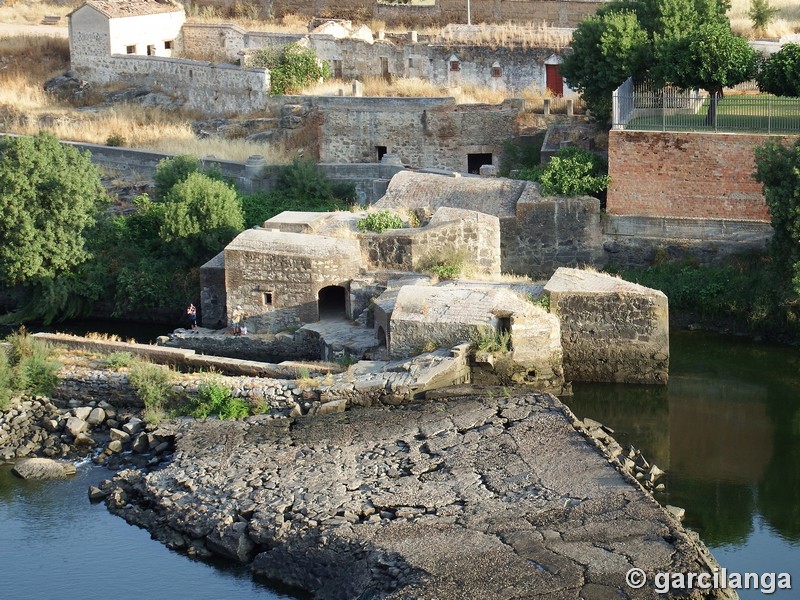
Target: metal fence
<point x="669" y="109"/>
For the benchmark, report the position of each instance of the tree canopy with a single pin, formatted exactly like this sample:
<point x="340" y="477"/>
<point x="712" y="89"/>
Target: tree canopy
<point x="292" y="67"/>
<point x="687" y="43"/>
<point x="50" y="195"/>
<point x="780" y="74"/>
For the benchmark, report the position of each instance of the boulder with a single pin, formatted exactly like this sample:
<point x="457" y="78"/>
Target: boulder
<point x="118" y="435"/>
<point x="42" y="468"/>
<point x="75" y="426"/>
<point x="232" y="542"/>
<point x="96" y="417"/>
<point x="140" y="444"/>
<point x="84" y="440"/>
<point x="133" y="426"/>
<point x="114" y="446"/>
<point x="82" y="412"/>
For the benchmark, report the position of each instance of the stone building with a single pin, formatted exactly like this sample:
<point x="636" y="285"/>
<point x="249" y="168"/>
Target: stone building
<point x="101" y="28"/>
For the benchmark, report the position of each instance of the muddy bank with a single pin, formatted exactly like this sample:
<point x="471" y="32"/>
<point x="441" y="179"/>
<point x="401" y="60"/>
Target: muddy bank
<point x="459" y="497"/>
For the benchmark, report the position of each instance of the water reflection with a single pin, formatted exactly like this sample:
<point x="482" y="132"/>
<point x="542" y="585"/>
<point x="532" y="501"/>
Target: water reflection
<point x="726" y="429"/>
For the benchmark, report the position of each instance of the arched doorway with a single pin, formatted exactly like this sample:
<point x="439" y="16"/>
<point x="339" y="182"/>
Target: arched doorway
<point x="381" y="337"/>
<point x="332" y="302"/>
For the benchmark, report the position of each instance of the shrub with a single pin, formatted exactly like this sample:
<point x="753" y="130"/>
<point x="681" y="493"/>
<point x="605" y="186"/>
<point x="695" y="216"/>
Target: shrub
<point x="115" y="140"/>
<point x="380" y="221"/>
<point x="6" y="379"/>
<point x="214" y="398"/>
<point x="117" y="360"/>
<point x="291" y="68"/>
<point x="153" y="385"/>
<point x="33" y="371"/>
<point x="447" y="271"/>
<point x="761" y="14"/>
<point x="571" y="172"/>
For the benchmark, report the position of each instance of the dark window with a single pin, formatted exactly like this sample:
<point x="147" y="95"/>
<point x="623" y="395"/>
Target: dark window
<point x="455" y="65"/>
<point x="130" y="49"/>
<point x="337" y="69"/>
<point x="168" y="45"/>
<point x="381" y="150"/>
<point x="497" y="72"/>
<point x="268" y="298"/>
<point x="475" y="161"/>
<point x="385" y="67"/>
<point x="151" y="51"/>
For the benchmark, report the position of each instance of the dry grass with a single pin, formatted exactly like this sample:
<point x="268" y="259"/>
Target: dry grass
<point x="26" y="62"/>
<point x="31" y="12"/>
<point x="786" y="22"/>
<point x="248" y="17"/>
<point x="529" y="35"/>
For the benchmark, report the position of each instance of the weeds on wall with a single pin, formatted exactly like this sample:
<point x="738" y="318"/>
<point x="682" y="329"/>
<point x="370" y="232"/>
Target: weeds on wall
<point x="380" y="221"/>
<point x="447" y="263"/>
<point x="489" y="339"/>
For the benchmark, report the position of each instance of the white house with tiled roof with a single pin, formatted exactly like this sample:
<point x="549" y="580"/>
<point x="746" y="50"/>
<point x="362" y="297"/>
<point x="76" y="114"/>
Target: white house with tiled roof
<point x="102" y="28"/>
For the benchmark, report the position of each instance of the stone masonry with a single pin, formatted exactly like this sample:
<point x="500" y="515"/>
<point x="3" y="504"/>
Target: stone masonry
<point x="611" y="330"/>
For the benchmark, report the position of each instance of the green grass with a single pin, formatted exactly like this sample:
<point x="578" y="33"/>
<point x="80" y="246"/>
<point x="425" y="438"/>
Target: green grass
<point x="761" y="113"/>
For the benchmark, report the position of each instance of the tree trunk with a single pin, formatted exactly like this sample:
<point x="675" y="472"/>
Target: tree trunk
<point x="711" y="117"/>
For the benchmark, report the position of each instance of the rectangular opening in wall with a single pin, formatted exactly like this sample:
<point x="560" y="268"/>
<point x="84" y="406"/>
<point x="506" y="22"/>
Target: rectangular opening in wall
<point x="504" y="328"/>
<point x="268" y="297"/>
<point x="168" y="44"/>
<point x="151" y="50"/>
<point x="381" y="150"/>
<point x="337" y="69"/>
<point x="455" y="65"/>
<point x="384" y="67"/>
<point x="130" y="49"/>
<point x="477" y="160"/>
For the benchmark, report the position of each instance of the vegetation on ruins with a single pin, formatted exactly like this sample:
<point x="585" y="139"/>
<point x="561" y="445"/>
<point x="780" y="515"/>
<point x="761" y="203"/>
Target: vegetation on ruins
<point x="571" y="172"/>
<point x="291" y="67"/>
<point x="380" y="221"/>
<point x="687" y="44"/>
<point x="153" y="386"/>
<point x="216" y="399"/>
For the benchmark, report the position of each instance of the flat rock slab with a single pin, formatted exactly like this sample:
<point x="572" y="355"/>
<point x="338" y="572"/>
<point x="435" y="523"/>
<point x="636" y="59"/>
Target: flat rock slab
<point x="42" y="468"/>
<point x="456" y="498"/>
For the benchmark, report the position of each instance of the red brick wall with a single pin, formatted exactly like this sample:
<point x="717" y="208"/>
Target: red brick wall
<point x="699" y="175"/>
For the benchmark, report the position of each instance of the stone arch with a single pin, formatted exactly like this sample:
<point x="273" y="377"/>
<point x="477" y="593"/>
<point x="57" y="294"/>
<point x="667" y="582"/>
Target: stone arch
<point x="332" y="301"/>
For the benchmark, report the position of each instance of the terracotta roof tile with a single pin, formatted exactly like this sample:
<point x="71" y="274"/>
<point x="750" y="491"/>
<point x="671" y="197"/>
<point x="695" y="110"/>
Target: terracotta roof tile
<point x="133" y="8"/>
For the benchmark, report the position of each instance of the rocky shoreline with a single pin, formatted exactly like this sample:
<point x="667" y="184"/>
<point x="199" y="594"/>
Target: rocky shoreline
<point x="459" y="496"/>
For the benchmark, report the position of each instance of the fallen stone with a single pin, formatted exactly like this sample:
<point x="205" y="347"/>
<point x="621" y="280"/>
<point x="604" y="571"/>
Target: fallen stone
<point x="133" y="426"/>
<point x="75" y="426"/>
<point x="118" y="435"/>
<point x="42" y="468"/>
<point x="96" y="417"/>
<point x="82" y="412"/>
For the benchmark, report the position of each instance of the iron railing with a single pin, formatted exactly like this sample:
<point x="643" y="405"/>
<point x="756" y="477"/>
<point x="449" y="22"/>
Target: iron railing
<point x="670" y="109"/>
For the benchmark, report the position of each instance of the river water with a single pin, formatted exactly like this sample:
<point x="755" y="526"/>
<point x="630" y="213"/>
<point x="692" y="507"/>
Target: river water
<point x="727" y="432"/>
<point x="726" y="429"/>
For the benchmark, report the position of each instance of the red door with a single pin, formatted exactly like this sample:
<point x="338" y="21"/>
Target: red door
<point x="554" y="81"/>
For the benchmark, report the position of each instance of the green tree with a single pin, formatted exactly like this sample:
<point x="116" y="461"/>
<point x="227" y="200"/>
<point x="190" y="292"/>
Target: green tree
<point x="50" y="194"/>
<point x="761" y="14"/>
<point x="606" y="50"/>
<point x="710" y="57"/>
<point x="778" y="168"/>
<point x="200" y="216"/>
<point x="631" y="38"/>
<point x="780" y="73"/>
<point x="291" y="68"/>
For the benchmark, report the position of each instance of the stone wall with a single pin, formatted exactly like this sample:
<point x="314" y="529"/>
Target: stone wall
<point x="432" y="132"/>
<point x="551" y="232"/>
<point x="611" y="330"/>
<point x="215" y="88"/>
<point x="685" y="175"/>
<point x="276" y="276"/>
<point x="563" y="13"/>
<point x="451" y="235"/>
<point x="213" y="298"/>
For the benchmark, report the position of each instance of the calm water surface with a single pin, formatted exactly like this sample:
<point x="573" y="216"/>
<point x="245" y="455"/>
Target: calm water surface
<point x="54" y="544"/>
<point x="727" y="431"/>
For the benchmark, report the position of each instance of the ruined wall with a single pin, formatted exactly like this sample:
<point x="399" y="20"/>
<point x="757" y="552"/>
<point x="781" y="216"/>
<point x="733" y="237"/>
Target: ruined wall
<point x="276" y="276"/>
<point x="611" y="330"/>
<point x="451" y="235"/>
<point x="213" y="301"/>
<point x="551" y="232"/>
<point x="228" y="41"/>
<point x="432" y="132"/>
<point x="215" y="88"/>
<point x="564" y="13"/>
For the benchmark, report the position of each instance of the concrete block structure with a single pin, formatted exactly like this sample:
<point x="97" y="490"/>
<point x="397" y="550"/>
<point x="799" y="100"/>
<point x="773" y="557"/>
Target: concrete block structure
<point x="611" y="330"/>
